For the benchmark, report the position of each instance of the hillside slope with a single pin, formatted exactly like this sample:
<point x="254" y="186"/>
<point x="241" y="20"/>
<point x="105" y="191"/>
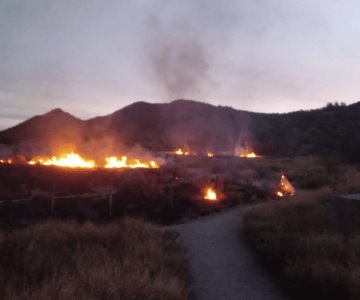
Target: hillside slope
<point x="200" y="126"/>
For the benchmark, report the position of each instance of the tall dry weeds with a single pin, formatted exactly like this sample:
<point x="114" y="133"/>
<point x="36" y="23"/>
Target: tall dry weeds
<point x="129" y="259"/>
<point x="294" y="240"/>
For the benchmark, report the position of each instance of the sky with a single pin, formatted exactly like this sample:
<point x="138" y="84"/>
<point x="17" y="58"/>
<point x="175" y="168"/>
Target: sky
<point x="92" y="57"/>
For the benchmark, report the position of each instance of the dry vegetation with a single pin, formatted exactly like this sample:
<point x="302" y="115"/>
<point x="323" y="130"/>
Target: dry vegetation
<point x="128" y="259"/>
<point x="294" y="239"/>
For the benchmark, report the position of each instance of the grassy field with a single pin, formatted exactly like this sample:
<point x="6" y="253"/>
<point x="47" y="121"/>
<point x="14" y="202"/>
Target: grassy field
<point x="294" y="241"/>
<point x="128" y="259"/>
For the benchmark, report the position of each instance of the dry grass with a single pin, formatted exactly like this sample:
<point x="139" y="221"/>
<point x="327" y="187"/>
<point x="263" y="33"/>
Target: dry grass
<point x="294" y="241"/>
<point x="129" y="259"/>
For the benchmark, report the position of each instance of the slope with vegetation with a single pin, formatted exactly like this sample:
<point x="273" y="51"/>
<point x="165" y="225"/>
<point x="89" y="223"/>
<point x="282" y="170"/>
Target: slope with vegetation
<point x="330" y="131"/>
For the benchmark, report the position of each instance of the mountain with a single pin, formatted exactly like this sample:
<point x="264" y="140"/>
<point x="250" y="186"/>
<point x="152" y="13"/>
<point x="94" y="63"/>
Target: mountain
<point x="332" y="130"/>
<point x="55" y="124"/>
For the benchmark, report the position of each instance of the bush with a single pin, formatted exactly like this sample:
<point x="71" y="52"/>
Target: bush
<point x="129" y="259"/>
<point x="293" y="240"/>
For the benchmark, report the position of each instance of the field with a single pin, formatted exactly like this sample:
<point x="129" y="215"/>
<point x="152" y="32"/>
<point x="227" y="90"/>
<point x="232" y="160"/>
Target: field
<point x="296" y="241"/>
<point x="167" y="195"/>
<point x="128" y="259"/>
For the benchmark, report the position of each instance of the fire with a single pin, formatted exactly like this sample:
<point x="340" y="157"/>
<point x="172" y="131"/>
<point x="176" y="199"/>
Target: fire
<point x="249" y="155"/>
<point x="285" y="188"/>
<point x="210" y="194"/>
<point x="69" y="160"/>
<point x="181" y="152"/>
<point x="280" y="194"/>
<point x="5" y="161"/>
<point x="112" y="162"/>
<point x="210" y="154"/>
<point x="74" y="160"/>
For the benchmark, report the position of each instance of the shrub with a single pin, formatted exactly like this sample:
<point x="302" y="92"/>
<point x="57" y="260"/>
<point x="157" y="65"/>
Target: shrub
<point x="294" y="241"/>
<point x="129" y="259"/>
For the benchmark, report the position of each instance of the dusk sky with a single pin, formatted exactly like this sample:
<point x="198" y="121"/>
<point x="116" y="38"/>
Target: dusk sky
<point x="92" y="57"/>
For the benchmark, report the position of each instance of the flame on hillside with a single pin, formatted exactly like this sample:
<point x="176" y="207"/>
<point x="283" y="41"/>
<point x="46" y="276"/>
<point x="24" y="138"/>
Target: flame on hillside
<point x="6" y="161"/>
<point x="123" y="162"/>
<point x="181" y="152"/>
<point x="74" y="160"/>
<point x="69" y="160"/>
<point x="210" y="194"/>
<point x="285" y="188"/>
<point x="210" y="154"/>
<point x="249" y="155"/>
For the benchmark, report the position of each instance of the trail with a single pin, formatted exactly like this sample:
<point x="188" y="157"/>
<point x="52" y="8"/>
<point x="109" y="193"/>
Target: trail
<point x="222" y="265"/>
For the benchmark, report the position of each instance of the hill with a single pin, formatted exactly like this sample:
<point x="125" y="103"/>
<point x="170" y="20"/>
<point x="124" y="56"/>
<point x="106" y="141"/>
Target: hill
<point x="182" y="123"/>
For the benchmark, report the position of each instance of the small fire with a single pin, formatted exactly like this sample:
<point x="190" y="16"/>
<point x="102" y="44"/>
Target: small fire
<point x="69" y="160"/>
<point x="5" y="161"/>
<point x="181" y="152"/>
<point x="112" y="162"/>
<point x="285" y="188"/>
<point x="210" y="154"/>
<point x="249" y="155"/>
<point x="74" y="160"/>
<point x="210" y="194"/>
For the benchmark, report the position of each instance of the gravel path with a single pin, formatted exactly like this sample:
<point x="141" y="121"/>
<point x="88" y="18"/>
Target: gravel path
<point x="222" y="266"/>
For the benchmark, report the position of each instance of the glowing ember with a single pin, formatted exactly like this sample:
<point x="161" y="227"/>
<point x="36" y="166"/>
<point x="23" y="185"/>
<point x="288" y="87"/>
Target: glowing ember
<point x="70" y="160"/>
<point x="210" y="154"/>
<point x="280" y="194"/>
<point x="285" y="188"/>
<point x="113" y="162"/>
<point x="210" y="195"/>
<point x="249" y="155"/>
<point x="181" y="152"/>
<point x="5" y="161"/>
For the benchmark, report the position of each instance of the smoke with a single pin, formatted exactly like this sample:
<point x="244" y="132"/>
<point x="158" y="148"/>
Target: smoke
<point x="179" y="62"/>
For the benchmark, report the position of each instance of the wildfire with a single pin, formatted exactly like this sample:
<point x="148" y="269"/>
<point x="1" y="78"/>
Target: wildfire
<point x="181" y="152"/>
<point x="285" y="188"/>
<point x="249" y="155"/>
<point x="70" y="160"/>
<point x="280" y="194"/>
<point x="210" y="194"/>
<point x="74" y="160"/>
<point x="112" y="162"/>
<point x="5" y="161"/>
<point x="210" y="154"/>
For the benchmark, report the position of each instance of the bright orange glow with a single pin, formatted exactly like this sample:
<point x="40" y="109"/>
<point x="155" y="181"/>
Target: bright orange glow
<point x="209" y="154"/>
<point x="181" y="152"/>
<point x="249" y="155"/>
<point x="69" y="160"/>
<point x="5" y="161"/>
<point x="210" y="194"/>
<point x="285" y="188"/>
<point x="280" y="194"/>
<point x="74" y="160"/>
<point x="112" y="162"/>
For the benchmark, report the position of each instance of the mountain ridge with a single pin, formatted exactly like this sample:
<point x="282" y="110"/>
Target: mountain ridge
<point x="199" y="126"/>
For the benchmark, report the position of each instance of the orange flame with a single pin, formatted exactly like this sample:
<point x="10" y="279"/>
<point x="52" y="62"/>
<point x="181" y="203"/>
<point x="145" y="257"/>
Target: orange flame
<point x="69" y="160"/>
<point x="5" y="161"/>
<point x="285" y="188"/>
<point x="74" y="160"/>
<point x="181" y="152"/>
<point x="112" y="162"/>
<point x="210" y="194"/>
<point x="249" y="155"/>
<point x="210" y="154"/>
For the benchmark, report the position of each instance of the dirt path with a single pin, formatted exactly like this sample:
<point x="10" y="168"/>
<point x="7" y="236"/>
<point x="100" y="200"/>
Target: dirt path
<point x="222" y="265"/>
